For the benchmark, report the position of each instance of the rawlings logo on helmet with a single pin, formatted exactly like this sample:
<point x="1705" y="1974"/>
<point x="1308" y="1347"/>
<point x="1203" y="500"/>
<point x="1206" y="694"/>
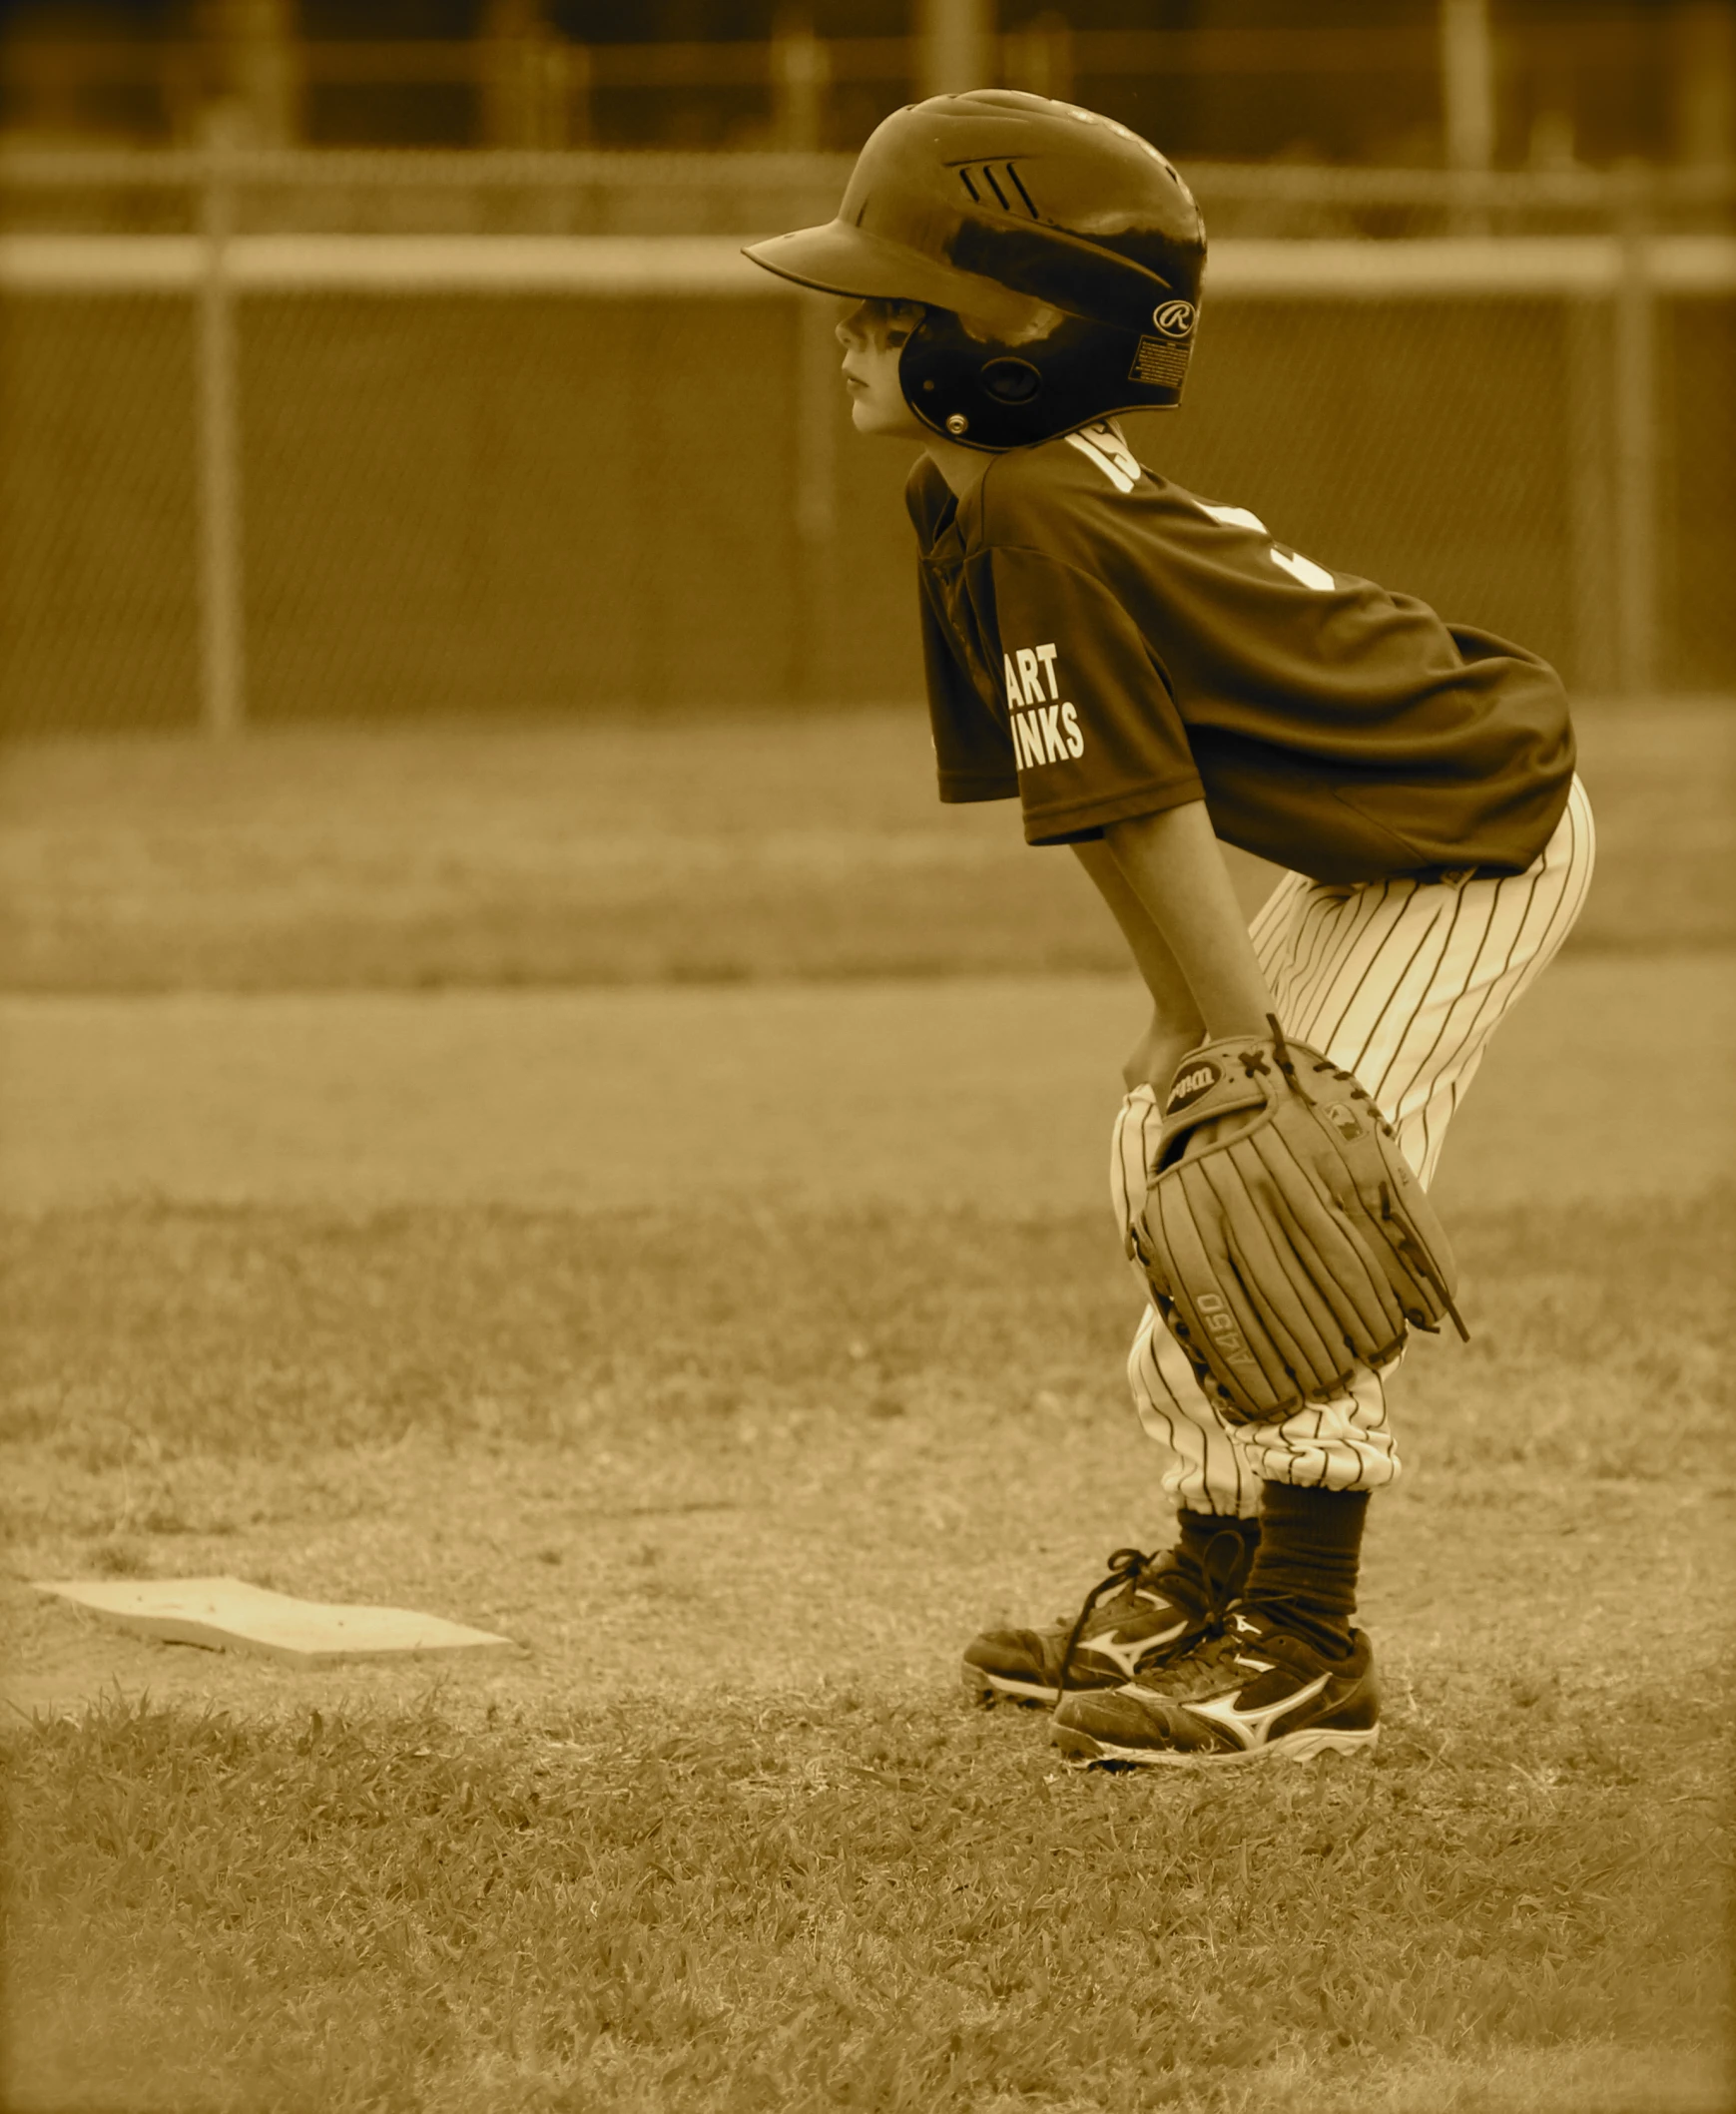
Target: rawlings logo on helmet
<point x="1175" y="318"/>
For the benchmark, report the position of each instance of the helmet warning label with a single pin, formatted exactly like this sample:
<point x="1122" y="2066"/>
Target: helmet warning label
<point x="1159" y="365"/>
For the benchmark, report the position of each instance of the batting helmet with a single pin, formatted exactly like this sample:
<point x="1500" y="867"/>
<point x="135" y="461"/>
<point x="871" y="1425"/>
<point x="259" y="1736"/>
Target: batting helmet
<point x="1057" y="255"/>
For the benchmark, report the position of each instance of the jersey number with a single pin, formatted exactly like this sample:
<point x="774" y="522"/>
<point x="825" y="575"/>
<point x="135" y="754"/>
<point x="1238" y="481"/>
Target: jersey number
<point x="1298" y="568"/>
<point x="1103" y="445"/>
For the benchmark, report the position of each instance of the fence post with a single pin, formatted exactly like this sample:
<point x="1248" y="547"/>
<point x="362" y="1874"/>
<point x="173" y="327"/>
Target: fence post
<point x="1634" y="330"/>
<point x="566" y="89"/>
<point x="1040" y="57"/>
<point x="801" y="75"/>
<point x="1468" y="102"/>
<point x="953" y="46"/>
<point x="1589" y="429"/>
<point x="815" y="499"/>
<point x="222" y="699"/>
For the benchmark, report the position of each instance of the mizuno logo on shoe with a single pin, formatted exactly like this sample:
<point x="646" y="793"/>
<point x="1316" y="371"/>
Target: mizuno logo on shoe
<point x="1250" y="1729"/>
<point x="1127" y="1655"/>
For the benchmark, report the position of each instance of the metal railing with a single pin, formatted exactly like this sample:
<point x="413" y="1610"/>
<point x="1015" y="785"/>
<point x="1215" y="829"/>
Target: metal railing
<point x="1651" y="242"/>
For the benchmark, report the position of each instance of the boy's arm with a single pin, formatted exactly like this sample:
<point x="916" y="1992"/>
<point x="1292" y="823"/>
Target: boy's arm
<point x="1164" y="881"/>
<point x="1175" y="1026"/>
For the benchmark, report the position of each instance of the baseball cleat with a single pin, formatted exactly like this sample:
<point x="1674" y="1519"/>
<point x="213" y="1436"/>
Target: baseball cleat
<point x="1245" y="1694"/>
<point x="1148" y="1611"/>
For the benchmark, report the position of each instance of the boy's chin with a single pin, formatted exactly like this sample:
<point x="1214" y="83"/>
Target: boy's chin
<point x="879" y="419"/>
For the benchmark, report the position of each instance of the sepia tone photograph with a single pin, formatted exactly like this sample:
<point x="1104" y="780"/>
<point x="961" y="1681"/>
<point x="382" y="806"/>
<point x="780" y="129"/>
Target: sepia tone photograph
<point x="868" y="963"/>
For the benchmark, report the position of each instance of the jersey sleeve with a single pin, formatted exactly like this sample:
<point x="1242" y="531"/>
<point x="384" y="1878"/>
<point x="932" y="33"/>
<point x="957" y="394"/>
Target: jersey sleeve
<point x="1096" y="735"/>
<point x="972" y="755"/>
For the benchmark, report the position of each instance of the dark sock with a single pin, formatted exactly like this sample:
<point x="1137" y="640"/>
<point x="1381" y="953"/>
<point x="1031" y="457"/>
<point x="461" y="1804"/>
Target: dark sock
<point x="1220" y="1547"/>
<point x="1305" y="1572"/>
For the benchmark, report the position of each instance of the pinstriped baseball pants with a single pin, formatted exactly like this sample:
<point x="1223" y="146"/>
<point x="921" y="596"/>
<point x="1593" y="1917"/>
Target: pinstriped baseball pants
<point x="1402" y="982"/>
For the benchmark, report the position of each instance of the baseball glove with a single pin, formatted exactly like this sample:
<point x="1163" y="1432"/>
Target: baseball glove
<point x="1284" y="1238"/>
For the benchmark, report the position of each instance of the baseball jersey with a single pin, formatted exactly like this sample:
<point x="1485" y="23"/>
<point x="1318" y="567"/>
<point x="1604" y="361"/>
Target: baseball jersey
<point x="1101" y="644"/>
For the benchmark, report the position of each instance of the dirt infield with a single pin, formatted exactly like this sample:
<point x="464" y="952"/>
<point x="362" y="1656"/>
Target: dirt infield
<point x="994" y="1091"/>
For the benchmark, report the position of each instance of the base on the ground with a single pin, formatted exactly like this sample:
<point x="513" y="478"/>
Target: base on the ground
<point x="227" y="1614"/>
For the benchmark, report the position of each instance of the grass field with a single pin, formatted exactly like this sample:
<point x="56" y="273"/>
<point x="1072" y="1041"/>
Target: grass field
<point x="687" y="850"/>
<point x="739" y="1472"/>
<point x="723" y="1835"/>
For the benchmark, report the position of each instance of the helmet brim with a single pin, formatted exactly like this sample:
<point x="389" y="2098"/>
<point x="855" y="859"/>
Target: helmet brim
<point x="849" y="262"/>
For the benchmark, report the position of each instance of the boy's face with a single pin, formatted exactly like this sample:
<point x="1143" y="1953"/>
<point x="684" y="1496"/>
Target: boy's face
<point x="873" y="336"/>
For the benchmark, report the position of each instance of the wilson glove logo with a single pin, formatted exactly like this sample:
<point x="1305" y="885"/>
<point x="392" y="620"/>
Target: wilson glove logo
<point x="1190" y="1085"/>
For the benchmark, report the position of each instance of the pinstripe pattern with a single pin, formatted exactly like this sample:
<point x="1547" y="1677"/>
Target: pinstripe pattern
<point x="1402" y="982"/>
<point x="1206" y="1454"/>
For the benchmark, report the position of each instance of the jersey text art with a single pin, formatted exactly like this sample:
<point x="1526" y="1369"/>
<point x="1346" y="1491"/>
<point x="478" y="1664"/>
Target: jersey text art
<point x="1049" y="735"/>
<point x="1045" y="729"/>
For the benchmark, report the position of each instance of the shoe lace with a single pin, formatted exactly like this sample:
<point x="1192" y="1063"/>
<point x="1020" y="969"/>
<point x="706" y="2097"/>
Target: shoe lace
<point x="1126" y="1568"/>
<point x="1216" y="1572"/>
<point x="1200" y="1670"/>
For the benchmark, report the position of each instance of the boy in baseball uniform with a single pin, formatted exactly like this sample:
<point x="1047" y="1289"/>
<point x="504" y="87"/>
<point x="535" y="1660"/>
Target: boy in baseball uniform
<point x="1150" y="674"/>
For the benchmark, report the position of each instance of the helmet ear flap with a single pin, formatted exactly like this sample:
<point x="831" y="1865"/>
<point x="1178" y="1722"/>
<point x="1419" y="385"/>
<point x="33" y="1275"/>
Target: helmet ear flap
<point x="1000" y="394"/>
<point x="1011" y="381"/>
<point x="1003" y="379"/>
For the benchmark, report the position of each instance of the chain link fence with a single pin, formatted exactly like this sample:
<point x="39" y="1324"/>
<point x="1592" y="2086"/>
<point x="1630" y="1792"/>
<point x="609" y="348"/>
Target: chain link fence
<point x="304" y="436"/>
